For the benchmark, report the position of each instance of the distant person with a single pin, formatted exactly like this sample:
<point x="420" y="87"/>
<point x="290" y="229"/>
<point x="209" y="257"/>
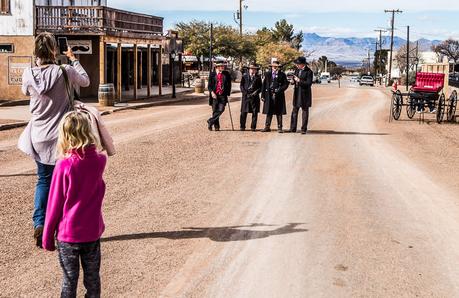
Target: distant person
<point x="49" y="101"/>
<point x="74" y="211"/>
<point x="219" y="89"/>
<point x="302" y="94"/>
<point x="274" y="86"/>
<point x="251" y="88"/>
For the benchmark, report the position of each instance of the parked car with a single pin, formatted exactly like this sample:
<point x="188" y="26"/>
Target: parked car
<point x="367" y="80"/>
<point x="355" y="78"/>
<point x="325" y="76"/>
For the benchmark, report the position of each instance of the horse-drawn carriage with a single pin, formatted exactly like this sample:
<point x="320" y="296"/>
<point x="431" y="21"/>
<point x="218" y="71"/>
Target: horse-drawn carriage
<point x="427" y="92"/>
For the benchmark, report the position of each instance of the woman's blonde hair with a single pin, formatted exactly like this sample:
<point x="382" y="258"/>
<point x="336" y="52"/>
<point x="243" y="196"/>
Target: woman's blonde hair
<point x="45" y="48"/>
<point x="75" y="133"/>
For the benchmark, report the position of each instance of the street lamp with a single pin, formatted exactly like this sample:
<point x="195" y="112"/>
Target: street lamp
<point x="173" y="55"/>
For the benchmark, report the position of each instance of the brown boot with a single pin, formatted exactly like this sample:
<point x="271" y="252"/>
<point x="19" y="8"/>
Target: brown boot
<point x="38" y="235"/>
<point x="266" y="129"/>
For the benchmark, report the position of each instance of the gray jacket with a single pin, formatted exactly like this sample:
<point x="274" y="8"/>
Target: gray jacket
<point x="48" y="103"/>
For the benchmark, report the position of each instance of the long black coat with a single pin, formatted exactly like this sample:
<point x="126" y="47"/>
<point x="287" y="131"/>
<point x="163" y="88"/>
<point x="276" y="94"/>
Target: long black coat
<point x="212" y="85"/>
<point x="274" y="103"/>
<point x="302" y="95"/>
<point x="251" y="90"/>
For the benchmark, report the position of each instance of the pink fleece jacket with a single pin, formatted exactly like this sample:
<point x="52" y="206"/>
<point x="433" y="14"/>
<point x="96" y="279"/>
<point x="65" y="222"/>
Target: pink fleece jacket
<point x="74" y="211"/>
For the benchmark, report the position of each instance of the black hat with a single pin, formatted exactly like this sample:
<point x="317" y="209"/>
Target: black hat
<point x="253" y="66"/>
<point x="275" y="63"/>
<point x="300" y="60"/>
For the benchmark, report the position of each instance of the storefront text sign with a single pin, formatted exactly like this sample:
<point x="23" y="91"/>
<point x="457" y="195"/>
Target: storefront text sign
<point x="16" y="67"/>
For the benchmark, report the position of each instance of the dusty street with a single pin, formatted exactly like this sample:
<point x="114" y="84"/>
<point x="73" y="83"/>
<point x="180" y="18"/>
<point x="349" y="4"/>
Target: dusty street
<point x="359" y="207"/>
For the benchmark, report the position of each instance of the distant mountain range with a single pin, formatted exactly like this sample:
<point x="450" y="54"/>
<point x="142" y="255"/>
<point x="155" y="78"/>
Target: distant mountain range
<point x="352" y="50"/>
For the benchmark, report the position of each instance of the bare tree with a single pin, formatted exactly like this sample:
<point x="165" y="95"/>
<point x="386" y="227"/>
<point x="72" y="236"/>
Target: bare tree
<point x="448" y="48"/>
<point x="400" y="58"/>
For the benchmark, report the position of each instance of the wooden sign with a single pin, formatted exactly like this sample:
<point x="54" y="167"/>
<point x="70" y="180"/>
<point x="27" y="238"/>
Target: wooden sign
<point x="16" y="67"/>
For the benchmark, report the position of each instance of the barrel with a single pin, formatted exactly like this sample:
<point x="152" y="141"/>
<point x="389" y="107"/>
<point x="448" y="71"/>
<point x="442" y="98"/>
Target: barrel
<point x="199" y="85"/>
<point x="106" y="94"/>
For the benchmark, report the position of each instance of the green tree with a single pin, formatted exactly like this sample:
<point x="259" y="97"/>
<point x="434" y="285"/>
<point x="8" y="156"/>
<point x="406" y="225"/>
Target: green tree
<point x="297" y="40"/>
<point x="196" y="38"/>
<point x="380" y="61"/>
<point x="283" y="31"/>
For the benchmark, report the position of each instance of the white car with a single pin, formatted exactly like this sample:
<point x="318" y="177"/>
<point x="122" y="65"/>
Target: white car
<point x="367" y="80"/>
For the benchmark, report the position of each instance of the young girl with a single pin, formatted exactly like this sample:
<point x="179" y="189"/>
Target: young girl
<point x="74" y="211"/>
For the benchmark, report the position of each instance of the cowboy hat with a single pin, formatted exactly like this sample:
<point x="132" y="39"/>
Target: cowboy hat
<point x="300" y="60"/>
<point x="253" y="66"/>
<point x="275" y="63"/>
<point x="220" y="63"/>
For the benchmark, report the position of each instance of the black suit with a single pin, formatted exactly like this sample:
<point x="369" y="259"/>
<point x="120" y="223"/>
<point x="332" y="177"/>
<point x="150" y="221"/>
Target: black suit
<point x="250" y="88"/>
<point x="302" y="98"/>
<point x="273" y="93"/>
<point x="218" y="104"/>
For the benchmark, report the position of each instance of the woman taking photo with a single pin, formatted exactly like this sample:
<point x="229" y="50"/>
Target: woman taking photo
<point x="49" y="101"/>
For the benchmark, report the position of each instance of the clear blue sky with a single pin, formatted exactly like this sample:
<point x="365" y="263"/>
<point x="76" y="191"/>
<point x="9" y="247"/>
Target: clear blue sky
<point x="428" y="19"/>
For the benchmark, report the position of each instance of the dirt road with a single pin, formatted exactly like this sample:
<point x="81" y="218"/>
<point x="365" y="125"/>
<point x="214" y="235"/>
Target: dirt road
<point x="359" y="207"/>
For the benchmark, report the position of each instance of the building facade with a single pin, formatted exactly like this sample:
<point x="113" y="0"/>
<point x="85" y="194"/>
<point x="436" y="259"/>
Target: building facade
<point x="114" y="46"/>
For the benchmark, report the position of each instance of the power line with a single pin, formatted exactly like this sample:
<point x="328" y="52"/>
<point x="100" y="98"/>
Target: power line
<point x="392" y="40"/>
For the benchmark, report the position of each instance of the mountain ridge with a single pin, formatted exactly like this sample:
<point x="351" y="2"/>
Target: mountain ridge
<point x="352" y="50"/>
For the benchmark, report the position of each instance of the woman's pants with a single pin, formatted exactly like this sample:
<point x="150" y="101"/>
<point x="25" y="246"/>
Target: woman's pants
<point x="45" y="173"/>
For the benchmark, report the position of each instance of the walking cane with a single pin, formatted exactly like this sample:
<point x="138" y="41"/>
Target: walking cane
<point x="231" y="117"/>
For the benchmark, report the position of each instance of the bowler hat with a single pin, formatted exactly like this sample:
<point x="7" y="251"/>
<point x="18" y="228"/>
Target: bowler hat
<point x="300" y="60"/>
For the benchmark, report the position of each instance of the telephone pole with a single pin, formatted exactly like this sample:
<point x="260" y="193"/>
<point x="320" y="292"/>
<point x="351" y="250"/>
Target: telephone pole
<point x="238" y="16"/>
<point x="407" y="57"/>
<point x="391" y="40"/>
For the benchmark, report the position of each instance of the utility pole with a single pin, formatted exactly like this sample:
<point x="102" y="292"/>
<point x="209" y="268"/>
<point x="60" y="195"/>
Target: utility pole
<point x="211" y="46"/>
<point x="391" y="40"/>
<point x="240" y="17"/>
<point x="369" y="64"/>
<point x="407" y="57"/>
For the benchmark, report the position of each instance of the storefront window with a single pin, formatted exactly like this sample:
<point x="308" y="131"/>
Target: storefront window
<point x="4" y="7"/>
<point x="6" y="48"/>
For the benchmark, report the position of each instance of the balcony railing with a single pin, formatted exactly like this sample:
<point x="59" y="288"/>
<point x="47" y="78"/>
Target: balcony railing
<point x="98" y="20"/>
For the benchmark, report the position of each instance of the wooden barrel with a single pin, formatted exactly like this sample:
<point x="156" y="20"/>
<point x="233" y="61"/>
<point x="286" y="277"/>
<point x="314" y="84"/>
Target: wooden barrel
<point x="199" y="85"/>
<point x="106" y="94"/>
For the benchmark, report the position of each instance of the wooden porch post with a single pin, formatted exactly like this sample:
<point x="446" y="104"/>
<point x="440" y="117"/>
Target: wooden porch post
<point x="140" y="68"/>
<point x="136" y="71"/>
<point x="102" y="64"/>
<point x="160" y="70"/>
<point x="149" y="70"/>
<point x="119" y="82"/>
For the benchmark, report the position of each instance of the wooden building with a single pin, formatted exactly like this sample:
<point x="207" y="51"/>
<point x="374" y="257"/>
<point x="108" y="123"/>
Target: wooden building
<point x="114" y="46"/>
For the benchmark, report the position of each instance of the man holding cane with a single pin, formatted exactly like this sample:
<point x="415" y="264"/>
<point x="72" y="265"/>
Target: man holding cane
<point x="302" y="95"/>
<point x="219" y="87"/>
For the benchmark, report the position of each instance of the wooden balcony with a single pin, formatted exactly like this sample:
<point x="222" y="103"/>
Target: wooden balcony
<point x="97" y="20"/>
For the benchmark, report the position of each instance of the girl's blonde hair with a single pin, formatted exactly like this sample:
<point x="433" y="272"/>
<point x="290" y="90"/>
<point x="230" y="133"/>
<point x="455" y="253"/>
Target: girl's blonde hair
<point x="75" y="133"/>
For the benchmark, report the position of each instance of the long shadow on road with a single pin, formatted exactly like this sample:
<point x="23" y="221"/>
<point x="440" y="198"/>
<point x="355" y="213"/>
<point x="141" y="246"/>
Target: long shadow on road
<point x="218" y="234"/>
<point x="333" y="132"/>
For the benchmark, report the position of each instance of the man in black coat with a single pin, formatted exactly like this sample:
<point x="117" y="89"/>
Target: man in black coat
<point x="250" y="87"/>
<point x="274" y="86"/>
<point x="219" y="89"/>
<point x="302" y="95"/>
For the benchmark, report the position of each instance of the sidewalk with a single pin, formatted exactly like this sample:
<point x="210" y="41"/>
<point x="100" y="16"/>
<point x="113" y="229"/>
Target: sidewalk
<point x="18" y="116"/>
